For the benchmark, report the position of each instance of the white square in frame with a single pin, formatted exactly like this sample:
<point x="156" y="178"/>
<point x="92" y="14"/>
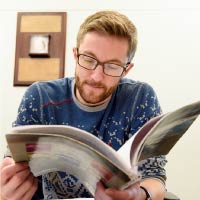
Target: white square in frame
<point x="39" y="45"/>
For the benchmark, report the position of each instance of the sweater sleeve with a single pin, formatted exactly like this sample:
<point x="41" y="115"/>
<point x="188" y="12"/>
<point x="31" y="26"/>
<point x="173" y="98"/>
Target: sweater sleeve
<point x="148" y="107"/>
<point x="29" y="111"/>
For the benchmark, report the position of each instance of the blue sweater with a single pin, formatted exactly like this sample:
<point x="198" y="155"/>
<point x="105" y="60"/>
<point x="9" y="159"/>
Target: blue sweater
<point x="53" y="102"/>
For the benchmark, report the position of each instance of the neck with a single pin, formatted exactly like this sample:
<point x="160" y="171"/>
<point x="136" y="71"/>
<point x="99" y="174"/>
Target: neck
<point x="82" y="101"/>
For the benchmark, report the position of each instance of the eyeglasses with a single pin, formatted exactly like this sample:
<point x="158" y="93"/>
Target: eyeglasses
<point x="110" y="69"/>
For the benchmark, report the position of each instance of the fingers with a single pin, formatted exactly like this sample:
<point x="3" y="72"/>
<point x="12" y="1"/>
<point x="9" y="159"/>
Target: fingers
<point x="119" y="194"/>
<point x="27" y="189"/>
<point x="24" y="191"/>
<point x="31" y="191"/>
<point x="100" y="192"/>
<point x="17" y="181"/>
<point x="7" y="161"/>
<point x="134" y="190"/>
<point x="128" y="194"/>
<point x="9" y="169"/>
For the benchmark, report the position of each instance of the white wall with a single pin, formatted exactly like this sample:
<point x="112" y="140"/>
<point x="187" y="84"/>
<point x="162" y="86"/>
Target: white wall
<point x="167" y="58"/>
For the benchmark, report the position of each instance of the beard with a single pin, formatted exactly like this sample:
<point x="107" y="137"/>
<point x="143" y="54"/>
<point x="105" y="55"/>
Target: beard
<point x="92" y="96"/>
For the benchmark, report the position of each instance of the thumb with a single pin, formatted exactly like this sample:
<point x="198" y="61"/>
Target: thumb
<point x="7" y="161"/>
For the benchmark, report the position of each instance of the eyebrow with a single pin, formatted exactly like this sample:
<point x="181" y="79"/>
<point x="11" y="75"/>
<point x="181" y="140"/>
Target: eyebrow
<point x="108" y="61"/>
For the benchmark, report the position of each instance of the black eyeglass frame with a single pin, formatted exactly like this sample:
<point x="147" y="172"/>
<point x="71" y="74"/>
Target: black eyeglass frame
<point x="102" y="64"/>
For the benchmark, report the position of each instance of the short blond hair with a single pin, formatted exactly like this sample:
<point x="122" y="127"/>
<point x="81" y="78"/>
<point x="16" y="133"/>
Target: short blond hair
<point x="110" y="23"/>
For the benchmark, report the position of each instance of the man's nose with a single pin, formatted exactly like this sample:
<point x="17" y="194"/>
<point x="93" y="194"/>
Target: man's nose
<point x="97" y="73"/>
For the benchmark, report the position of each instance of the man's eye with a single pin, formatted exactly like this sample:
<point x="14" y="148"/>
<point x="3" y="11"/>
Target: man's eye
<point x="88" y="59"/>
<point x="112" y="66"/>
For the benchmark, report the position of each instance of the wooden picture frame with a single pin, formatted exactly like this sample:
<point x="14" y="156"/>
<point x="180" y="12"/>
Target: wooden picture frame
<point x="40" y="47"/>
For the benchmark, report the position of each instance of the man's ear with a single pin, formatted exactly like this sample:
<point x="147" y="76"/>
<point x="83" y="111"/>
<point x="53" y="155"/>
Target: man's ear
<point x="131" y="65"/>
<point x="75" y="53"/>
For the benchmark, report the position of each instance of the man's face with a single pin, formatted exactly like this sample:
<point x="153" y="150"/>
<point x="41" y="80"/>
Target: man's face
<point x="93" y="85"/>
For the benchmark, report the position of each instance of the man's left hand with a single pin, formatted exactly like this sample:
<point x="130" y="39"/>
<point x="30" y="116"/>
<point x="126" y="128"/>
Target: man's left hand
<point x="132" y="193"/>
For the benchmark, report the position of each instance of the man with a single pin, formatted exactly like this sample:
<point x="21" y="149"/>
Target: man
<point x="99" y="100"/>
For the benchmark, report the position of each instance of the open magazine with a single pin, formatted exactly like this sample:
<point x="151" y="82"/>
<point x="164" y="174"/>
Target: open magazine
<point x="64" y="148"/>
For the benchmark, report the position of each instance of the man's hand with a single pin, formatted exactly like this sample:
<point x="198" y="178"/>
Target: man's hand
<point x="132" y="193"/>
<point x="17" y="181"/>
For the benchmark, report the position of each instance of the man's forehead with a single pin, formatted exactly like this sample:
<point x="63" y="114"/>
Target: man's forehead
<point x="104" y="46"/>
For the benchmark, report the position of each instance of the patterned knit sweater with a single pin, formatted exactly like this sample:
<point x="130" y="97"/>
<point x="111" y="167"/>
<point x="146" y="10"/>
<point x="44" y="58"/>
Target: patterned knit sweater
<point x="53" y="102"/>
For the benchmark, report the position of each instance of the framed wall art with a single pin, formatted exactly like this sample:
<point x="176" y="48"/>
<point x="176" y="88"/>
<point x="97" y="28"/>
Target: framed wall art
<point x="40" y="47"/>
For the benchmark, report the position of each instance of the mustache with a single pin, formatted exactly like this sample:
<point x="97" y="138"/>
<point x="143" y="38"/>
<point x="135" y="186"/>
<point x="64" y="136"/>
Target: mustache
<point x="94" y="83"/>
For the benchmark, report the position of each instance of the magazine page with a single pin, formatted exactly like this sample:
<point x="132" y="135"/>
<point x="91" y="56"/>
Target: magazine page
<point x="76" y="134"/>
<point x="165" y="133"/>
<point x="137" y="139"/>
<point x="48" y="153"/>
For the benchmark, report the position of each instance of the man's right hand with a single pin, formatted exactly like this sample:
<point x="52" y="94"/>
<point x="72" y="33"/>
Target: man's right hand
<point x="17" y="181"/>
